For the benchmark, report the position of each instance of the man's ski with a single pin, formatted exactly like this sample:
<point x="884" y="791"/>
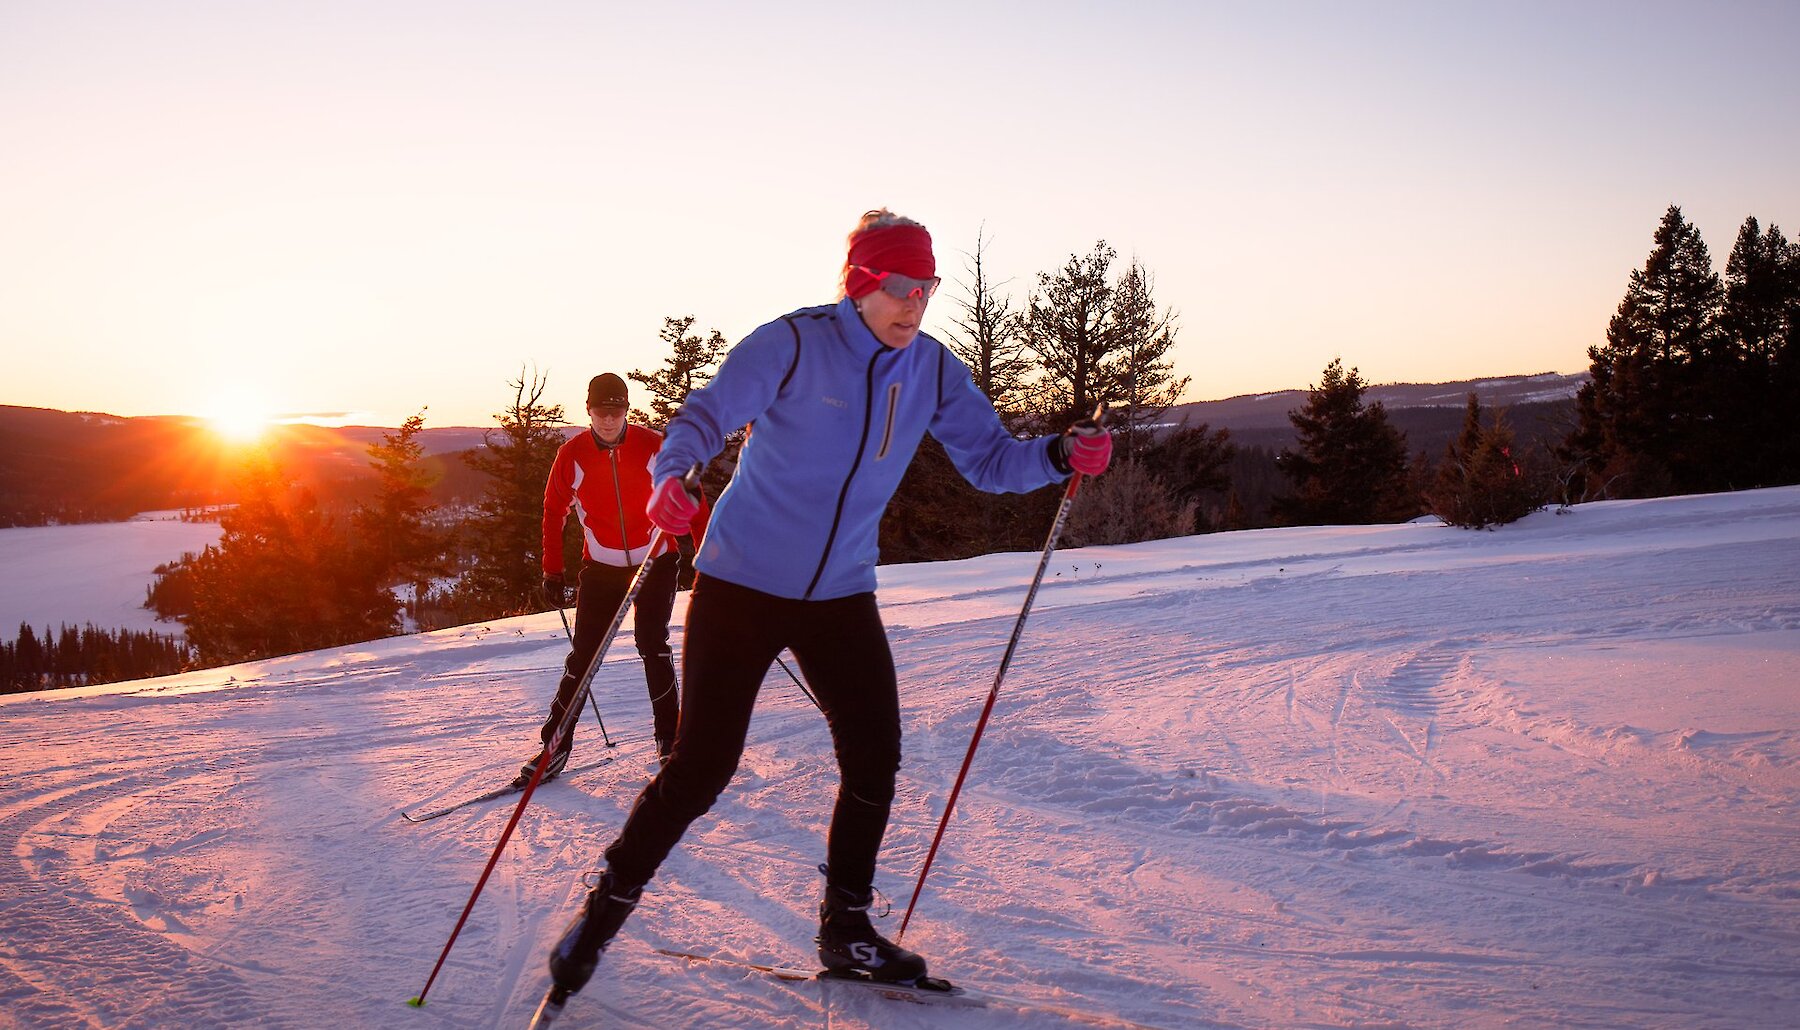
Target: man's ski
<point x="497" y="792"/>
<point x="930" y="991"/>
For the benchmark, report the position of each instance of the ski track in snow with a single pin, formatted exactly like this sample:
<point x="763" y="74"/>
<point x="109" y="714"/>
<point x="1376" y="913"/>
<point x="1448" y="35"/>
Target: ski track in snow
<point x="1335" y="777"/>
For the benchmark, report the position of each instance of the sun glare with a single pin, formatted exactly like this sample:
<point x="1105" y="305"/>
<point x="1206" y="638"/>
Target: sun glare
<point x="243" y="420"/>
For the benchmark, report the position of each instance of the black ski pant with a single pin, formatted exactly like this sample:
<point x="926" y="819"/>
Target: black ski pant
<point x="733" y="635"/>
<point x="597" y="599"/>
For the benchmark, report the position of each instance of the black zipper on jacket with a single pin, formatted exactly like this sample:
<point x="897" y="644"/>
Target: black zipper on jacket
<point x="887" y="432"/>
<point x="843" y="494"/>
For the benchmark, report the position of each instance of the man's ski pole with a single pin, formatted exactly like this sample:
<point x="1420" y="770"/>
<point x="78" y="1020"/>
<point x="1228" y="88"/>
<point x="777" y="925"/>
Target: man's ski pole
<point x="562" y="730"/>
<point x="797" y="682"/>
<point x="1056" y="528"/>
<point x="595" y="705"/>
<point x="537" y="773"/>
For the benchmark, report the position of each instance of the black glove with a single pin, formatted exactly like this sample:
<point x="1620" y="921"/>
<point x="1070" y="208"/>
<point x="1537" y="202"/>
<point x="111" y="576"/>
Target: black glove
<point x="554" y="590"/>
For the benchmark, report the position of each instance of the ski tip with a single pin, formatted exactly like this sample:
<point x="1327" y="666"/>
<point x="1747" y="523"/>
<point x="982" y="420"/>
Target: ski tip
<point x="550" y="1007"/>
<point x="924" y="985"/>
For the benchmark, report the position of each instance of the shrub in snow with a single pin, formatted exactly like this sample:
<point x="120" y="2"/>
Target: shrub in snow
<point x="1125" y="505"/>
<point x="1480" y="482"/>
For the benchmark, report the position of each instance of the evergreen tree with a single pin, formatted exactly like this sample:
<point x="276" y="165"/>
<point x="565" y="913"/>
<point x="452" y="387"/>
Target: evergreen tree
<point x="1762" y="301"/>
<point x="395" y="532"/>
<point x="1784" y="375"/>
<point x="171" y="593"/>
<point x="1759" y="287"/>
<point x="988" y="340"/>
<point x="503" y="537"/>
<point x="1068" y="325"/>
<point x="1193" y="463"/>
<point x="28" y="659"/>
<point x="66" y="664"/>
<point x="1097" y="340"/>
<point x="1235" y="515"/>
<point x="1256" y="479"/>
<point x="283" y="578"/>
<point x="1480" y="482"/>
<point x="689" y="366"/>
<point x="1637" y="416"/>
<point x="1351" y="466"/>
<point x="1142" y="337"/>
<point x="82" y="657"/>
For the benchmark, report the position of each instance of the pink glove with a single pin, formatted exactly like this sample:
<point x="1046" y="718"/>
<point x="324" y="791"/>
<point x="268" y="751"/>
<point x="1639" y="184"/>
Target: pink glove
<point x="671" y="507"/>
<point x="1089" y="448"/>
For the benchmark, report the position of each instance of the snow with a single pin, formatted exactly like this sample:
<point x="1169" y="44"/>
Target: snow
<point x="92" y="573"/>
<point x="1332" y="777"/>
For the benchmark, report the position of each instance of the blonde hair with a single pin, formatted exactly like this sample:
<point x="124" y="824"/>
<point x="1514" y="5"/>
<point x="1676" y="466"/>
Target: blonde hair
<point x="879" y="218"/>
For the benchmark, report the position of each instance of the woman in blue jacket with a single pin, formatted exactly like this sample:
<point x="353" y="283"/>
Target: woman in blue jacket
<point x="837" y="398"/>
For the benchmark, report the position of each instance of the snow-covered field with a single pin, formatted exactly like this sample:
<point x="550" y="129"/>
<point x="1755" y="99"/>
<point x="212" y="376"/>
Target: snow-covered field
<point x="1348" y="777"/>
<point x="91" y="573"/>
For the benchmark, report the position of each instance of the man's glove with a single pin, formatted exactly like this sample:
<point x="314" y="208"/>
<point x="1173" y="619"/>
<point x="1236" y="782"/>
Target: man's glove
<point x="671" y="507"/>
<point x="1087" y="447"/>
<point x="554" y="589"/>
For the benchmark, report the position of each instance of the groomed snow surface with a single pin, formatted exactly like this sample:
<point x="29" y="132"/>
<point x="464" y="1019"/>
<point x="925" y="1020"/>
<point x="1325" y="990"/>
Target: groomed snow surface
<point x="1391" y="776"/>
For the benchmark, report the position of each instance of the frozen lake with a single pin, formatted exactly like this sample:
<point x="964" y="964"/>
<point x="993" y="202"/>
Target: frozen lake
<point x="91" y="573"/>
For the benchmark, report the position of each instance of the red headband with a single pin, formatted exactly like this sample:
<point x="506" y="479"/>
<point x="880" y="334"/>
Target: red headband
<point x="905" y="249"/>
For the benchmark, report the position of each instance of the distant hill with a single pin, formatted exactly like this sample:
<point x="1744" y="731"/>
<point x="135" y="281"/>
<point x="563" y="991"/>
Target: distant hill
<point x="444" y="440"/>
<point x="1538" y="408"/>
<point x="90" y="466"/>
<point x="83" y="466"/>
<point x="94" y="467"/>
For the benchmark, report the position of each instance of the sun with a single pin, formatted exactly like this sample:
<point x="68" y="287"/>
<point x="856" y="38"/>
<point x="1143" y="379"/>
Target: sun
<point x="240" y="418"/>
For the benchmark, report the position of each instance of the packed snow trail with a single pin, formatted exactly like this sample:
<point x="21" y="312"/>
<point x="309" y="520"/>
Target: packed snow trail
<point x="1392" y="775"/>
<point x="508" y="789"/>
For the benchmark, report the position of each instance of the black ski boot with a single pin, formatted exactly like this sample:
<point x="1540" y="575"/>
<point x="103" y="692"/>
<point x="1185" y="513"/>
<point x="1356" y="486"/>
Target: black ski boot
<point x="850" y="947"/>
<point x="558" y="762"/>
<point x="577" y="952"/>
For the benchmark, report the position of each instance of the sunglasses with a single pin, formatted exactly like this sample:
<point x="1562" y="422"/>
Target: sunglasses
<point x="901" y="287"/>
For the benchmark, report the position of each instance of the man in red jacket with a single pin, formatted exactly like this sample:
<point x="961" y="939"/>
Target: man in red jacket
<point x="604" y="474"/>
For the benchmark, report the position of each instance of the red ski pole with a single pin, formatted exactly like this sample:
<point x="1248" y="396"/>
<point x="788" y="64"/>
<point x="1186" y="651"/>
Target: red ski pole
<point x="570" y="717"/>
<point x="1056" y="528"/>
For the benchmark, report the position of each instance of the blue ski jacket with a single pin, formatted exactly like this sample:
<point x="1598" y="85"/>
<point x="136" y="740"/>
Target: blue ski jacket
<point x="835" y="416"/>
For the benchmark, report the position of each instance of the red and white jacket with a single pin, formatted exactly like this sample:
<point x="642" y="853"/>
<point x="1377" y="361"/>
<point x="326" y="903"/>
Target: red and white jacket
<point x="609" y="488"/>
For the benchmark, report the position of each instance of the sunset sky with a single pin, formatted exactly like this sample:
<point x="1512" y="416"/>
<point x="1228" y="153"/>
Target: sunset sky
<point x="369" y="208"/>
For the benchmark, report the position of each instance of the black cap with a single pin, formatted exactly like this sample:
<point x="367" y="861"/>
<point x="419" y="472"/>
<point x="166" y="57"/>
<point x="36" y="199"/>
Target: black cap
<point x="607" y="391"/>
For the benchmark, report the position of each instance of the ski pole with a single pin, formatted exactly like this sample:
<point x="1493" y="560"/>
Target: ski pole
<point x="1056" y="528"/>
<point x="797" y="682"/>
<point x="556" y="739"/>
<point x="595" y="705"/>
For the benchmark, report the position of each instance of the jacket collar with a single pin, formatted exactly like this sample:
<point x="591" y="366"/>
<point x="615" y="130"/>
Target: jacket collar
<point x="862" y="342"/>
<point x="603" y="445"/>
